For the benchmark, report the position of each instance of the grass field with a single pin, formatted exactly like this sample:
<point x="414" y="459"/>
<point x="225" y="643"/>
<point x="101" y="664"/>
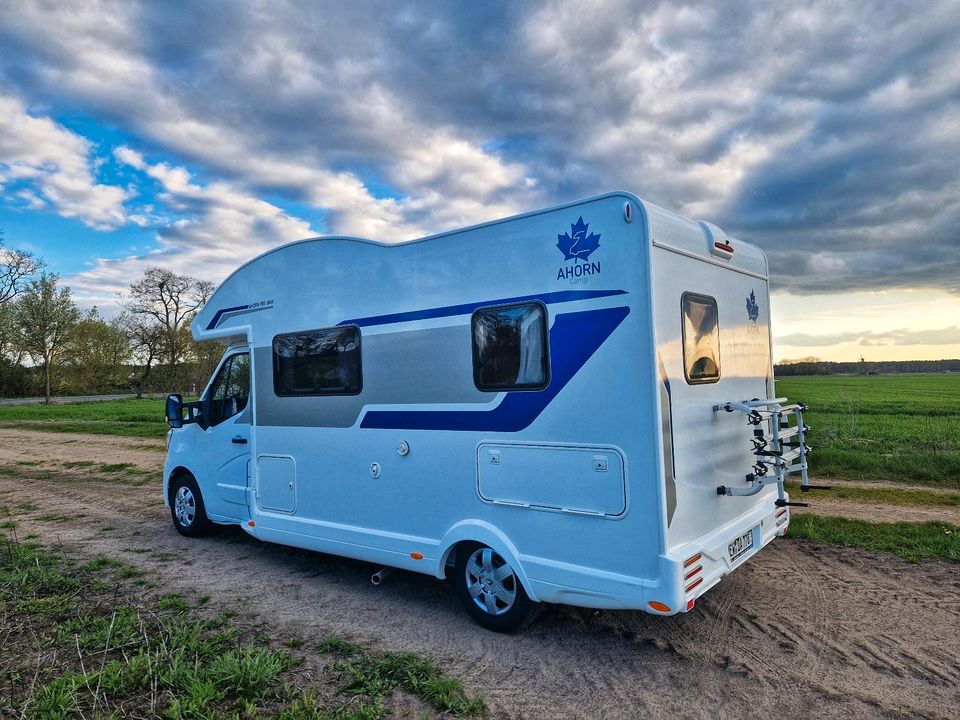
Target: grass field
<point x="902" y="428"/>
<point x="134" y="418"/>
<point x="911" y="541"/>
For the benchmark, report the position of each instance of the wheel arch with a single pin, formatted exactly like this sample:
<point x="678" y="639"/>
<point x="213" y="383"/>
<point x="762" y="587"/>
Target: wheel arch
<point x="178" y="471"/>
<point x="480" y="531"/>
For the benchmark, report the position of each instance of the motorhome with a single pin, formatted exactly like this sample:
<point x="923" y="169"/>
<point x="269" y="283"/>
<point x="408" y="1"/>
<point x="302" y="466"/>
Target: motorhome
<point x="574" y="405"/>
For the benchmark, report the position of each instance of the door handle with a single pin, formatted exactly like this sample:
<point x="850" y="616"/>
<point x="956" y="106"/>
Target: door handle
<point x="239" y="440"/>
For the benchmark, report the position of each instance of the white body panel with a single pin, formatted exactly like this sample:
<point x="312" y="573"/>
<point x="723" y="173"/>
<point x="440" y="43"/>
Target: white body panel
<point x="596" y="488"/>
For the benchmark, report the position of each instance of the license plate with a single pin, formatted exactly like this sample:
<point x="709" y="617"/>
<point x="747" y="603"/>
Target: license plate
<point x="740" y="545"/>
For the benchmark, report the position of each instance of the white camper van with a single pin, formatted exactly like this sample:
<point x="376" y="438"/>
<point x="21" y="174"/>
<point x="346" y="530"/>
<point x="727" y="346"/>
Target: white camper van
<point x="574" y="406"/>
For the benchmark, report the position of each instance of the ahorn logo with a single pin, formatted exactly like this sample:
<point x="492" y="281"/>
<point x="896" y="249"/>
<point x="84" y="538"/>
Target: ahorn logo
<point x="753" y="309"/>
<point x="578" y="245"/>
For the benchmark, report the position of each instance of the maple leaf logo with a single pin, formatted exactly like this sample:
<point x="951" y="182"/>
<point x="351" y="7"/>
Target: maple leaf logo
<point x="753" y="309"/>
<point x="577" y="244"/>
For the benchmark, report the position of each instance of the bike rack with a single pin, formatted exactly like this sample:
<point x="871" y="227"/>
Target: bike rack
<point x="778" y="445"/>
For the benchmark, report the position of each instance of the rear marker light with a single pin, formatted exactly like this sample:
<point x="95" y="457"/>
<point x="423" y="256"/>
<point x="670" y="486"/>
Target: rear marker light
<point x="692" y="585"/>
<point x="659" y="606"/>
<point x="689" y="604"/>
<point x="693" y="572"/>
<point x="783" y="511"/>
<point x="692" y="560"/>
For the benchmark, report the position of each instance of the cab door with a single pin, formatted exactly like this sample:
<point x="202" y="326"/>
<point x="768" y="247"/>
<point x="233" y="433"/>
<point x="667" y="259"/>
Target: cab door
<point x="227" y="440"/>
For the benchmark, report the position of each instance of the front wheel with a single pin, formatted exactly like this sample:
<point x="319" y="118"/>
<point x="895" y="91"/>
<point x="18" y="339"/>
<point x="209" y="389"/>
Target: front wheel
<point x="186" y="507"/>
<point x="490" y="589"/>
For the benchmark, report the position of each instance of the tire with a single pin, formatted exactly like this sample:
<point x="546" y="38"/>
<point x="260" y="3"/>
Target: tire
<point x="490" y="590"/>
<point x="186" y="507"/>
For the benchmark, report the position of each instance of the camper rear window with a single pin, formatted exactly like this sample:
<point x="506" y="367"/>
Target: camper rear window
<point x="510" y="347"/>
<point x="701" y="339"/>
<point x="318" y="362"/>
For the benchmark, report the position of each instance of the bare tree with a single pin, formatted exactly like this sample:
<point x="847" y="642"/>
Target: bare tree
<point x="16" y="269"/>
<point x="146" y="339"/>
<point x="170" y="301"/>
<point x="45" y="317"/>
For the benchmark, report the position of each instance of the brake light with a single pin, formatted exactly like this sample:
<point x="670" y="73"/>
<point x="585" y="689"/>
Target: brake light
<point x="724" y="247"/>
<point x="693" y="572"/>
<point x="696" y="582"/>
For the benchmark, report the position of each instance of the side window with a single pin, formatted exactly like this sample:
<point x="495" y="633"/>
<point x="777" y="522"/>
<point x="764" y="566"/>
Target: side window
<point x="318" y="362"/>
<point x="230" y="390"/>
<point x="701" y="339"/>
<point x="240" y="381"/>
<point x="510" y="347"/>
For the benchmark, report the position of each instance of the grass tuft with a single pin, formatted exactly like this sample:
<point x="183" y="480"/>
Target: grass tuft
<point x="173" y="602"/>
<point x="373" y="677"/>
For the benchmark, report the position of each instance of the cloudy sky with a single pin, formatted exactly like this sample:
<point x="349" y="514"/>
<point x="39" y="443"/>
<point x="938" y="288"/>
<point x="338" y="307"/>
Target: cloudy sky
<point x="196" y="135"/>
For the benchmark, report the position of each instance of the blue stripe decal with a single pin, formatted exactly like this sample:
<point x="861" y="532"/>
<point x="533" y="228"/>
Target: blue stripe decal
<point x="238" y="310"/>
<point x="574" y="338"/>
<point x="220" y="313"/>
<point x="450" y="310"/>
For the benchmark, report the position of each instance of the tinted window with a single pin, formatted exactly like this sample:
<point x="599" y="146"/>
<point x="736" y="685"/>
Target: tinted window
<point x="510" y="347"/>
<point x="318" y="362"/>
<point x="230" y="390"/>
<point x="239" y="388"/>
<point x="701" y="339"/>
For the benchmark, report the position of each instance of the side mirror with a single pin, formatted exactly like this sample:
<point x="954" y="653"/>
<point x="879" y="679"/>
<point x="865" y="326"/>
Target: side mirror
<point x="174" y="411"/>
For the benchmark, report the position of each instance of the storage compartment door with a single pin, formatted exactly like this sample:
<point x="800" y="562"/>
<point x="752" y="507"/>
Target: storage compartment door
<point x="555" y="477"/>
<point x="277" y="483"/>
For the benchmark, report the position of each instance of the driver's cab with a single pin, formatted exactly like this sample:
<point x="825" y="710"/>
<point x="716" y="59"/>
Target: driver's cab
<point x="208" y="448"/>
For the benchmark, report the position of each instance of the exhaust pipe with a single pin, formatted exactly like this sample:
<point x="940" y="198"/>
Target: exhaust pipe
<point x="379" y="576"/>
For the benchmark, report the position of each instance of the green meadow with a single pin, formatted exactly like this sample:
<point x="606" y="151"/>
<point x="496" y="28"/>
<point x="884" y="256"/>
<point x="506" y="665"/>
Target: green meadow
<point x="133" y="418"/>
<point x="900" y="428"/>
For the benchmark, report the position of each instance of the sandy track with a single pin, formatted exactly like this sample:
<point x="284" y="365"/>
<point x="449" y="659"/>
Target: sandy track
<point x="823" y="504"/>
<point x="31" y="446"/>
<point x="803" y="630"/>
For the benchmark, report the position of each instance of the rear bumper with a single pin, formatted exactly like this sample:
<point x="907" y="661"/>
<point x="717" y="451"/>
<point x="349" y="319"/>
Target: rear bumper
<point x="667" y="593"/>
<point x="765" y="521"/>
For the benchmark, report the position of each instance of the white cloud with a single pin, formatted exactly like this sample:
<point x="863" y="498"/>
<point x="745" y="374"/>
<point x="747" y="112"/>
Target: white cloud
<point x="57" y="165"/>
<point x="223" y="227"/>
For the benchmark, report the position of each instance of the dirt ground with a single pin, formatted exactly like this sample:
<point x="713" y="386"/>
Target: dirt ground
<point x="802" y="630"/>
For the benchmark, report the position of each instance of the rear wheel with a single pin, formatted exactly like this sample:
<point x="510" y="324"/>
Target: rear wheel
<point x="186" y="507"/>
<point x="490" y="589"/>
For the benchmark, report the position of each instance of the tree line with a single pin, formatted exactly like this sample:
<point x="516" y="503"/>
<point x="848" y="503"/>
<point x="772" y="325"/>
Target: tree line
<point x="49" y="347"/>
<point x="816" y="366"/>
